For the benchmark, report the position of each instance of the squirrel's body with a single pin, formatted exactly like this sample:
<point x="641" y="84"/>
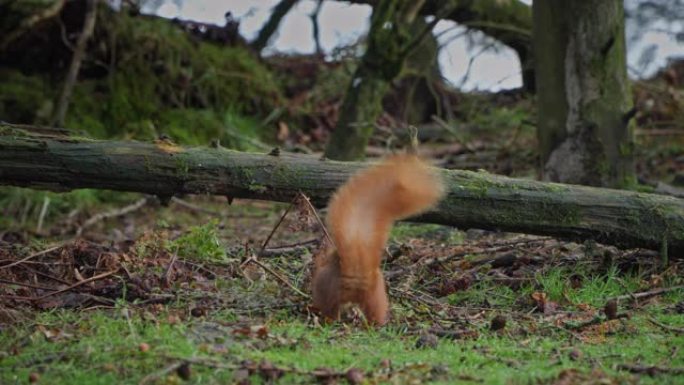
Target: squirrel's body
<point x="360" y="217"/>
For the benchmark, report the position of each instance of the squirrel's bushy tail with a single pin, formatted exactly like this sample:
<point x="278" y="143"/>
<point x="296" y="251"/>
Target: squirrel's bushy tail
<point x="361" y="213"/>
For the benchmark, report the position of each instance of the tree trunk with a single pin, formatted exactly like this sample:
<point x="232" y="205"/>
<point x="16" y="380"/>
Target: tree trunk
<point x="583" y="93"/>
<point x="474" y="199"/>
<point x="271" y="26"/>
<point x="390" y="40"/>
<point x="414" y="97"/>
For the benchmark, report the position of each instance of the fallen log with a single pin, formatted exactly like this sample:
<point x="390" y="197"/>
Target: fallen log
<point x="474" y="199"/>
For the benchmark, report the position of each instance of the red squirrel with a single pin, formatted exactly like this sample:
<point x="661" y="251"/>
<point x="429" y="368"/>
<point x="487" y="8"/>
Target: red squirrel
<point x="360" y="217"/>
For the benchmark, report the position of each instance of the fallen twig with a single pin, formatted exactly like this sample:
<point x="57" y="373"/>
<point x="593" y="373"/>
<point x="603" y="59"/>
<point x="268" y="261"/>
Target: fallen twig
<point x="38" y="254"/>
<point x="647" y="294"/>
<point x="666" y="327"/>
<point x="288" y="248"/>
<point x="48" y="276"/>
<point x="485" y="251"/>
<point x="77" y="284"/>
<point x="650" y="370"/>
<point x="280" y="278"/>
<point x="111" y="214"/>
<point x="8" y="282"/>
<point x="161" y="373"/>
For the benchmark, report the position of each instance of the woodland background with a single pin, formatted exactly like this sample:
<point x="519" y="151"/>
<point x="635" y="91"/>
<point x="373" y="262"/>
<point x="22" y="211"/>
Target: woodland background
<point x="133" y="146"/>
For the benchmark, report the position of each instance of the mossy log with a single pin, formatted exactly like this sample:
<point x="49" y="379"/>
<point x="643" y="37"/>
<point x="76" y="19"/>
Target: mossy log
<point x="474" y="199"/>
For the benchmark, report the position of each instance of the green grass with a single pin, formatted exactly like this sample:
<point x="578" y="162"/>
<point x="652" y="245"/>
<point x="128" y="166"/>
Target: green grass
<point x="200" y="243"/>
<point x="593" y="288"/>
<point x="103" y="347"/>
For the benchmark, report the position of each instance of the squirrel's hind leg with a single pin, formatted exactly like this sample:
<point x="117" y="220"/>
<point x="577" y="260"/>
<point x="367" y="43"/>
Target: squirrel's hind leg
<point x="326" y="291"/>
<point x="375" y="304"/>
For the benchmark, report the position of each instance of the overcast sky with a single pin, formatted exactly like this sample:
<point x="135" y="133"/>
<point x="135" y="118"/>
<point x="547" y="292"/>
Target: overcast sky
<point x="342" y="23"/>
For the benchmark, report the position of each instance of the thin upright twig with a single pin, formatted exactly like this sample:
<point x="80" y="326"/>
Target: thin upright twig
<point x="43" y="213"/>
<point x="76" y="60"/>
<point x="280" y="221"/>
<point x="315" y="213"/>
<point x="168" y="269"/>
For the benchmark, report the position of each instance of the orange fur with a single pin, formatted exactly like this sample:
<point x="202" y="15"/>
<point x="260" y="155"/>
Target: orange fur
<point x="360" y="216"/>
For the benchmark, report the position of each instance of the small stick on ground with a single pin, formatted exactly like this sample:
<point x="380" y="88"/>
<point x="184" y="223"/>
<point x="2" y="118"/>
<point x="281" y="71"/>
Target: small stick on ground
<point x="8" y="282"/>
<point x="48" y="276"/>
<point x="280" y="278"/>
<point x="152" y="377"/>
<point x="650" y="370"/>
<point x="666" y="327"/>
<point x="77" y="284"/>
<point x="647" y="294"/>
<point x="111" y="214"/>
<point x="281" y="250"/>
<point x="292" y="247"/>
<point x="34" y="255"/>
<point x="569" y="332"/>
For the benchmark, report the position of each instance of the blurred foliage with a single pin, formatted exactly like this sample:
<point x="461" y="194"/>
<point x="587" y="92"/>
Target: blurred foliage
<point x="20" y="208"/>
<point x="664" y="15"/>
<point x="144" y="76"/>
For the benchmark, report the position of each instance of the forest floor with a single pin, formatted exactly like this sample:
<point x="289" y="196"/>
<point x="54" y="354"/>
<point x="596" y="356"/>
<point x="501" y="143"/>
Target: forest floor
<point x="185" y="294"/>
<point x="100" y="287"/>
<point x="106" y="287"/>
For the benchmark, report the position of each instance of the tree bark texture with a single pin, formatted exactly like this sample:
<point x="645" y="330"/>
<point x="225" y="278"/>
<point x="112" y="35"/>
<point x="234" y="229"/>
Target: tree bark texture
<point x="390" y="40"/>
<point x="473" y="200"/>
<point x="583" y="92"/>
